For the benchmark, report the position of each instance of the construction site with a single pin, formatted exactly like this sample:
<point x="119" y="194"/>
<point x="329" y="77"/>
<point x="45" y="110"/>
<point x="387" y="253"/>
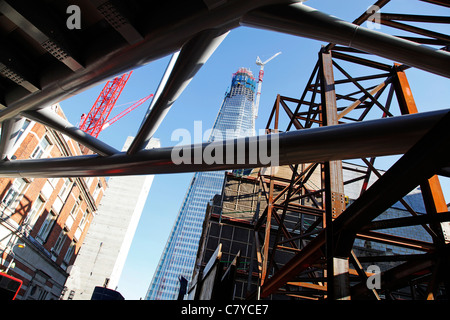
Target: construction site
<point x="324" y="222"/>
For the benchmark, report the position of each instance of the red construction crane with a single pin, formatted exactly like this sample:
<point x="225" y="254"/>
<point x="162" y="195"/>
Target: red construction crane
<point x="126" y="111"/>
<point x="97" y="118"/>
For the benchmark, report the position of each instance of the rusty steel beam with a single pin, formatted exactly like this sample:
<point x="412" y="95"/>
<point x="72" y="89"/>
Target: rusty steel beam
<point x="417" y="30"/>
<point x="444" y="3"/>
<point x="334" y="186"/>
<point x="414" y="17"/>
<point x="431" y="189"/>
<point x="420" y="161"/>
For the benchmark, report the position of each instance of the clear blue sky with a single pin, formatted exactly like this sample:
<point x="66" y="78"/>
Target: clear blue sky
<point x="287" y="75"/>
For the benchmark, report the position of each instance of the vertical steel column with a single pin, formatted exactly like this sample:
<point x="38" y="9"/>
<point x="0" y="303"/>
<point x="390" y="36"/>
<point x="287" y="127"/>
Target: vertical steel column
<point x="432" y="194"/>
<point x="337" y="267"/>
<point x="266" y="244"/>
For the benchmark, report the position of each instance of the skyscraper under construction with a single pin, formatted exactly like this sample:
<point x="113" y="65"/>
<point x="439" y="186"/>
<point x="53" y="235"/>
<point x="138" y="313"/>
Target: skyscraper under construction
<point x="236" y="118"/>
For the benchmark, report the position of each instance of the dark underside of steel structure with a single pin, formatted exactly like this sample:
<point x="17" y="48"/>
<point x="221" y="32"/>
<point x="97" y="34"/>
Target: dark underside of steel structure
<point x="42" y="62"/>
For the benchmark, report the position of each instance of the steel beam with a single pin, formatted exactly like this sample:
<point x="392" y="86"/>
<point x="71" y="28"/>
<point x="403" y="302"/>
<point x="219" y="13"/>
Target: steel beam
<point x="414" y="17"/>
<point x="161" y="85"/>
<point x="417" y="30"/>
<point x="438" y="2"/>
<point x="304" y="21"/>
<point x="338" y="286"/>
<point x="425" y="157"/>
<point x="109" y="58"/>
<point x="388" y="136"/>
<point x="118" y="21"/>
<point x="431" y="189"/>
<point x="192" y="57"/>
<point x="114" y="57"/>
<point x="10" y="130"/>
<point x="50" y="119"/>
<point x="46" y="39"/>
<point x="420" y="162"/>
<point x="17" y="67"/>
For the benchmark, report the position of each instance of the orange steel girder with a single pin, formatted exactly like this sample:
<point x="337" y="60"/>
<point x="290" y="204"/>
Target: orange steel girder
<point x="321" y="247"/>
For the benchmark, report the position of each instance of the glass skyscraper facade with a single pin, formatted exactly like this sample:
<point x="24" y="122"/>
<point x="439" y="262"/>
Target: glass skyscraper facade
<point x="235" y="119"/>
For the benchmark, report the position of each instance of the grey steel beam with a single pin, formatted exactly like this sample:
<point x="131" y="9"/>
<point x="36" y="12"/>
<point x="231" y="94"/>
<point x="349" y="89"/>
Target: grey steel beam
<point x="346" y="141"/>
<point x="17" y="78"/>
<point x="304" y="21"/>
<point x="191" y="58"/>
<point x="110" y="57"/>
<point x="118" y="21"/>
<point x="113" y="57"/>
<point x="50" y="119"/>
<point x="46" y="39"/>
<point x="161" y="85"/>
<point x="10" y="130"/>
<point x="17" y="67"/>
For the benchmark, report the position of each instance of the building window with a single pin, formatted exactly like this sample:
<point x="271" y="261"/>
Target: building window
<point x="46" y="227"/>
<point x="25" y="125"/>
<point x="42" y="294"/>
<point x="83" y="219"/>
<point x="69" y="252"/>
<point x="41" y="148"/>
<point x="97" y="189"/>
<point x="33" y="215"/>
<point x="59" y="243"/>
<point x="11" y="198"/>
<point x="89" y="181"/>
<point x="65" y="189"/>
<point x="74" y="210"/>
<point x="53" y="181"/>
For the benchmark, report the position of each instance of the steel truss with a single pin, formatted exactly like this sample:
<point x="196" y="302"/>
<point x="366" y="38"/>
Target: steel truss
<point x="322" y="261"/>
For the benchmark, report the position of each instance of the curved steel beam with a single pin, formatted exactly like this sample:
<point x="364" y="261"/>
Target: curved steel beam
<point x="191" y="58"/>
<point x="10" y="130"/>
<point x="50" y="119"/>
<point x="304" y="21"/>
<point x="112" y="56"/>
<point x="346" y="141"/>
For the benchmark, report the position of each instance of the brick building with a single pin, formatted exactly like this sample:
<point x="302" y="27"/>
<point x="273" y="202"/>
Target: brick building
<point x="43" y="221"/>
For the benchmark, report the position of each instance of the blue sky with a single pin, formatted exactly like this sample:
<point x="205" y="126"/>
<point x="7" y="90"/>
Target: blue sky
<point x="287" y="75"/>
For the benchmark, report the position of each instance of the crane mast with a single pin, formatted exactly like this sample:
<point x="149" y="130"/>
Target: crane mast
<point x="97" y="118"/>
<point x="126" y="111"/>
<point x="260" y="79"/>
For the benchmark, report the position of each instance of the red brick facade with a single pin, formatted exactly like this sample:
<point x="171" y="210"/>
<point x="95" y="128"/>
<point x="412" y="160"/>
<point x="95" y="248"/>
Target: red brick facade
<point x="50" y="216"/>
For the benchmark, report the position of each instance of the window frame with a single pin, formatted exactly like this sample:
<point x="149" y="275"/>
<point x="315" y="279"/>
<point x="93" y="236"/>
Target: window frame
<point x="16" y="197"/>
<point x="46" y="227"/>
<point x="40" y="150"/>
